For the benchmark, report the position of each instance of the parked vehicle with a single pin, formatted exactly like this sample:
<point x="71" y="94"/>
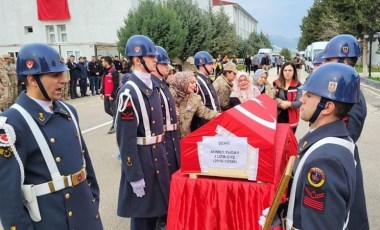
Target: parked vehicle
<point x="315" y="47"/>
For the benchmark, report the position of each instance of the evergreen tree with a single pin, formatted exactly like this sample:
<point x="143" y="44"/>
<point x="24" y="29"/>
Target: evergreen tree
<point x="197" y="24"/>
<point x="158" y="23"/>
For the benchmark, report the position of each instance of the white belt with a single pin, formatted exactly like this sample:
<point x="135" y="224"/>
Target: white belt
<point x="61" y="183"/>
<point x="171" y="127"/>
<point x="150" y="140"/>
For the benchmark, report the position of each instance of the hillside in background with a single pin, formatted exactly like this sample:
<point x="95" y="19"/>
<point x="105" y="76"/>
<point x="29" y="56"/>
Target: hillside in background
<point x="279" y="42"/>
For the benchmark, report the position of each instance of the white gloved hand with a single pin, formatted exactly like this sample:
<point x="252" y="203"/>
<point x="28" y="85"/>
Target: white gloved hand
<point x="263" y="217"/>
<point x="138" y="187"/>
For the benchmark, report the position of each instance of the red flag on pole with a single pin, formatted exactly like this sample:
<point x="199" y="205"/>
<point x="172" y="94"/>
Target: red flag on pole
<point x="53" y="10"/>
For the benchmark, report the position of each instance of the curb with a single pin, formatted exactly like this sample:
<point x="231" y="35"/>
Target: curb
<point x="367" y="81"/>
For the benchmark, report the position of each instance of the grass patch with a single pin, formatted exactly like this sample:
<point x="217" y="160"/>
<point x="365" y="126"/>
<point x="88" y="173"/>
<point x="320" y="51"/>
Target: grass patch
<point x="359" y="68"/>
<point x="375" y="78"/>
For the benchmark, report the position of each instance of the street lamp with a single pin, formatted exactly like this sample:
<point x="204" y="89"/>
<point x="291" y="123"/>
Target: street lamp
<point x="372" y="35"/>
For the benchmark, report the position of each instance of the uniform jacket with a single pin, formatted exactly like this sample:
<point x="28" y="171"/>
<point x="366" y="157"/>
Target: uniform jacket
<point x="206" y="99"/>
<point x="293" y="96"/>
<point x="171" y="137"/>
<point x="148" y="162"/>
<point x="326" y="185"/>
<point x="188" y="108"/>
<point x="355" y="123"/>
<point x="223" y="89"/>
<point x="81" y="201"/>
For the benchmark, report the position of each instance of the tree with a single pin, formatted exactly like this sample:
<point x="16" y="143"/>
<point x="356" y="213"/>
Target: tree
<point x="196" y="23"/>
<point x="159" y="23"/>
<point x="286" y="53"/>
<point x="224" y="36"/>
<point x="257" y="41"/>
<point x="244" y="48"/>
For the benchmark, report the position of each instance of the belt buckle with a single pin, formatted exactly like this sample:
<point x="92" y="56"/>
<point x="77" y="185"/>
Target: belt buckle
<point x="51" y="186"/>
<point x="78" y="177"/>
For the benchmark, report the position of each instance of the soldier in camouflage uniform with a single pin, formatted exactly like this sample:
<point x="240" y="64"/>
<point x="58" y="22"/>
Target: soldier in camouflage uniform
<point x="11" y="71"/>
<point x="188" y="103"/>
<point x="4" y="80"/>
<point x="223" y="85"/>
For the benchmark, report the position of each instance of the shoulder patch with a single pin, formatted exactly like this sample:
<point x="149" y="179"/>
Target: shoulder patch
<point x="128" y="113"/>
<point x="314" y="198"/>
<point x="316" y="177"/>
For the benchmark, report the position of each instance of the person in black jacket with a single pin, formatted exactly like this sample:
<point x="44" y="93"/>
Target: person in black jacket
<point x="110" y="84"/>
<point x="73" y="77"/>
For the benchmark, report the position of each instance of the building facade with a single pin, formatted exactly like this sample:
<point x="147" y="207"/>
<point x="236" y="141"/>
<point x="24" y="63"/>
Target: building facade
<point x="244" y="23"/>
<point x="91" y="29"/>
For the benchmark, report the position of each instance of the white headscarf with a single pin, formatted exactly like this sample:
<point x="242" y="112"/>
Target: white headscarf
<point x="246" y="94"/>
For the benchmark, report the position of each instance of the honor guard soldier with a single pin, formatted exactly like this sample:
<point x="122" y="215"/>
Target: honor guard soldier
<point x="204" y="63"/>
<point x="323" y="187"/>
<point x="144" y="183"/>
<point x="344" y="48"/>
<point x="47" y="176"/>
<point x="168" y="110"/>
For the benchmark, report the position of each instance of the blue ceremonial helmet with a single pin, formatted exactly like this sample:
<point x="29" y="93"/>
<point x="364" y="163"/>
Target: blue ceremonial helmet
<point x="318" y="58"/>
<point x="342" y="46"/>
<point x="162" y="56"/>
<point x="202" y="58"/>
<point x="140" y="46"/>
<point x="334" y="81"/>
<point x="37" y="59"/>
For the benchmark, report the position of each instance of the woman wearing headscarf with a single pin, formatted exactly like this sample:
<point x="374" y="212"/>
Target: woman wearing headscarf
<point x="188" y="103"/>
<point x="243" y="89"/>
<point x="260" y="80"/>
<point x="288" y="95"/>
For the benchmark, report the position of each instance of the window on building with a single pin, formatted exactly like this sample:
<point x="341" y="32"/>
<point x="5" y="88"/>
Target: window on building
<point x="50" y="33"/>
<point x="28" y="29"/>
<point x="62" y="34"/>
<point x="76" y="53"/>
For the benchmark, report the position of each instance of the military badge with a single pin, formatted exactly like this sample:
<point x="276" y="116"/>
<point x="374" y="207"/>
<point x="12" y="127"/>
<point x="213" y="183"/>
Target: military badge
<point x="137" y="49"/>
<point x="200" y="60"/>
<point x="129" y="161"/>
<point x="332" y="86"/>
<point x="128" y="113"/>
<point x="4" y="138"/>
<point x="314" y="199"/>
<point x="29" y="64"/>
<point x="147" y="92"/>
<point x="316" y="177"/>
<point x="345" y="49"/>
<point x="41" y="117"/>
<point x="6" y="151"/>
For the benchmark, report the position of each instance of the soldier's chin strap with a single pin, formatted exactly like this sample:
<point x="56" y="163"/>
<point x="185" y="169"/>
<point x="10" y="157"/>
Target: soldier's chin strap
<point x="204" y="66"/>
<point x="143" y="63"/>
<point x="321" y="105"/>
<point x="41" y="86"/>
<point x="158" y="71"/>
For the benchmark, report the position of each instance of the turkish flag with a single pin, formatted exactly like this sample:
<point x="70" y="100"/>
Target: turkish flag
<point x="53" y="10"/>
<point x="255" y="119"/>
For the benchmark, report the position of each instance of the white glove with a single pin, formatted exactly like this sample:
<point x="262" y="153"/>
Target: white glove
<point x="263" y="217"/>
<point x="138" y="187"/>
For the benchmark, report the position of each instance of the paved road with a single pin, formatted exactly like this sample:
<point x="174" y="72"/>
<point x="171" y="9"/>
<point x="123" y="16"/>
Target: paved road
<point x="102" y="146"/>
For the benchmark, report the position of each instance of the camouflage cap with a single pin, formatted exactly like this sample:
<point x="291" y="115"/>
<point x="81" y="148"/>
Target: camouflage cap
<point x="230" y="67"/>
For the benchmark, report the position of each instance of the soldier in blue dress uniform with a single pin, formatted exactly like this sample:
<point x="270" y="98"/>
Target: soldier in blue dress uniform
<point x="345" y="48"/>
<point x="144" y="183"/>
<point x="168" y="110"/>
<point x="323" y="186"/>
<point x="204" y="63"/>
<point x="48" y="181"/>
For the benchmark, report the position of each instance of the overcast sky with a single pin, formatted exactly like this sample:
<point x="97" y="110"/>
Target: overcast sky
<point x="277" y="17"/>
